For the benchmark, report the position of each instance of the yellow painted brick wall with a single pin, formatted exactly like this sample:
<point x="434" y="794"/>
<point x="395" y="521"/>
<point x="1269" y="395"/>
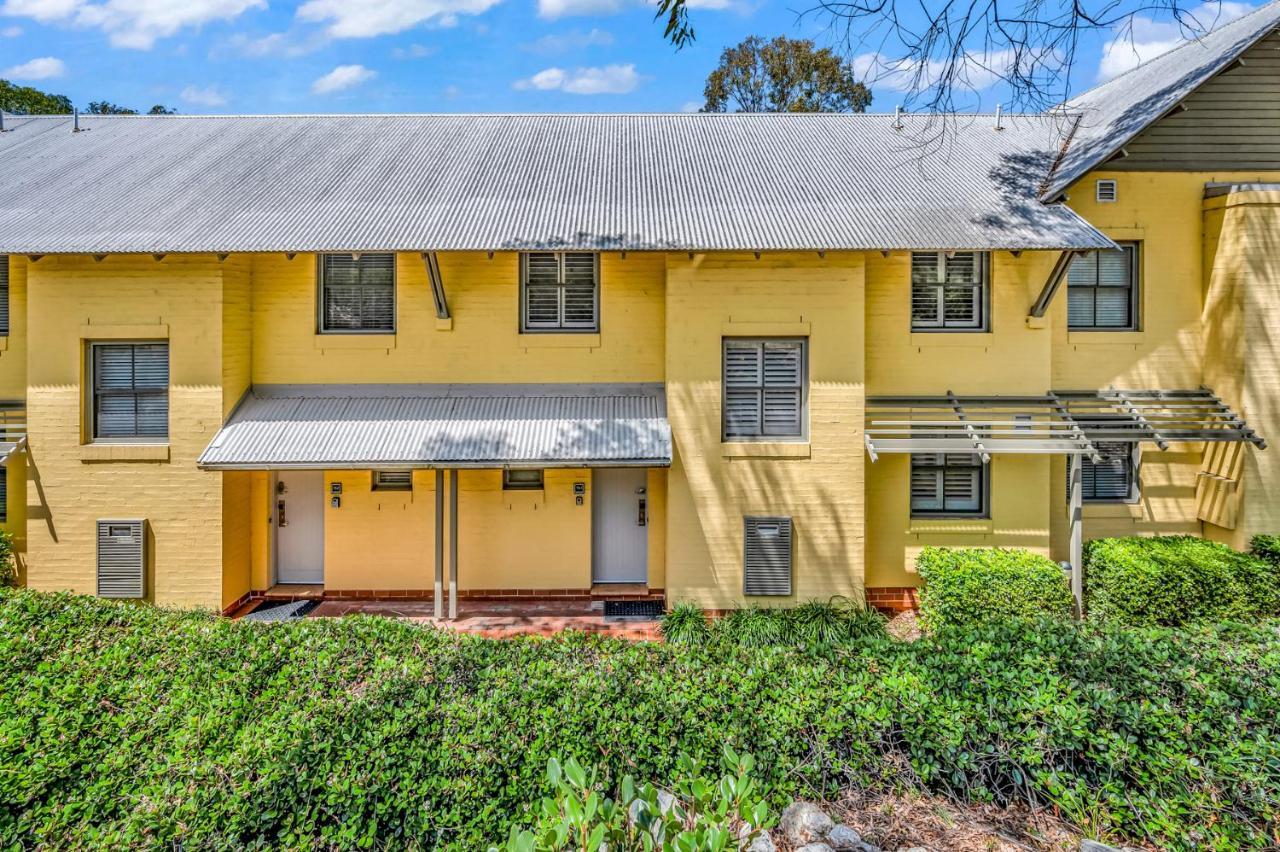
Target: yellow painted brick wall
<point x="1242" y="314"/>
<point x="484" y="344"/>
<point x="710" y="489"/>
<point x="1010" y="358"/>
<point x="237" y="536"/>
<point x="71" y="299"/>
<point x="657" y="528"/>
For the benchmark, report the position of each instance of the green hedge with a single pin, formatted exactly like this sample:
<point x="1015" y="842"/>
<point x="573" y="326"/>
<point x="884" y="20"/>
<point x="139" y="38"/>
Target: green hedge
<point x="974" y="585"/>
<point x="1174" y="580"/>
<point x="129" y="726"/>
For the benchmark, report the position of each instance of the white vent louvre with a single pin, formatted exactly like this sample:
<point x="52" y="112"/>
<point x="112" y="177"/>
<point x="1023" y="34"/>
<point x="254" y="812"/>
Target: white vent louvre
<point x="121" y="559"/>
<point x="1106" y="190"/>
<point x="393" y="480"/>
<point x="767" y="556"/>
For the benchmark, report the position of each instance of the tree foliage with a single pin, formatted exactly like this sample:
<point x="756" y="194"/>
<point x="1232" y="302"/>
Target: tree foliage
<point x="941" y="54"/>
<point x="24" y="100"/>
<point x="783" y="75"/>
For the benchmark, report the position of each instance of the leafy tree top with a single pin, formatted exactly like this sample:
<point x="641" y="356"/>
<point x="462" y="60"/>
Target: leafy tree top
<point x="783" y="75"/>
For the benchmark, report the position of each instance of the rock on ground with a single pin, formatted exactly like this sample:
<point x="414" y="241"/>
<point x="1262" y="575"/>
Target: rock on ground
<point x="842" y="837"/>
<point x="805" y="822"/>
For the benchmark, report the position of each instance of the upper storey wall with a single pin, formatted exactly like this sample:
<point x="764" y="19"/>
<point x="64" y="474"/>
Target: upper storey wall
<point x="483" y="342"/>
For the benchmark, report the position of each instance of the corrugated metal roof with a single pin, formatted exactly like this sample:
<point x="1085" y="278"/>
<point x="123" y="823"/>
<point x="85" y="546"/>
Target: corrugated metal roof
<point x="1118" y="110"/>
<point x="399" y="426"/>
<point x="160" y="184"/>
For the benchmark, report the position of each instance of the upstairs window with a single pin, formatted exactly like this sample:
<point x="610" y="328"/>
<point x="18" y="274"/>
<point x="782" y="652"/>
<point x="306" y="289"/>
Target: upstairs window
<point x="1102" y="290"/>
<point x="764" y="388"/>
<point x="948" y="291"/>
<point x="130" y="390"/>
<point x="4" y="295"/>
<point x="560" y="291"/>
<point x="357" y="294"/>
<point x="948" y="484"/>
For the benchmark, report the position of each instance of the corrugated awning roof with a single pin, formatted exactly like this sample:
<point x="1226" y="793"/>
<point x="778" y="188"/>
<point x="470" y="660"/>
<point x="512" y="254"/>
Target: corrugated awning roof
<point x="1115" y="112"/>
<point x="1058" y="423"/>
<point x="416" y="426"/>
<point x="160" y="184"/>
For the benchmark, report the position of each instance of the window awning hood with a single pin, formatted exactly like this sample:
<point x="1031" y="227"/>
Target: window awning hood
<point x="454" y="426"/>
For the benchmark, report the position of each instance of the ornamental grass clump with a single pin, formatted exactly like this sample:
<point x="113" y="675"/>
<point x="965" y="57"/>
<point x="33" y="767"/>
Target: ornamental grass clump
<point x="685" y="624"/>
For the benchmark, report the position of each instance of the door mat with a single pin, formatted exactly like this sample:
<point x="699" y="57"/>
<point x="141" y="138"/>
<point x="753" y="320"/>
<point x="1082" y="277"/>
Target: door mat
<point x="633" y="610"/>
<point x="281" y="611"/>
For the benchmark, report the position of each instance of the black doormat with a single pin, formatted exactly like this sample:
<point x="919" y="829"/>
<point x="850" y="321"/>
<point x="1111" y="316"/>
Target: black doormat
<point x="281" y="611"/>
<point x="633" y="610"/>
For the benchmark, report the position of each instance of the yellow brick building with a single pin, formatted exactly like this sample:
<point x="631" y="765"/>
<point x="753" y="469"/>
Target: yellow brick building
<point x="725" y="359"/>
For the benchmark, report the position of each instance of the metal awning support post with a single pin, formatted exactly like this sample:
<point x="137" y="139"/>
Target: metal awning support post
<point x="453" y="544"/>
<point x="1052" y="283"/>
<point x="1077" y="533"/>
<point x="432" y="263"/>
<point x="438" y="597"/>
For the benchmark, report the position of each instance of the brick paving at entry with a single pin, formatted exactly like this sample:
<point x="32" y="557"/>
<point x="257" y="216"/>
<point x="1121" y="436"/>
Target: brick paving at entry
<point x="500" y="619"/>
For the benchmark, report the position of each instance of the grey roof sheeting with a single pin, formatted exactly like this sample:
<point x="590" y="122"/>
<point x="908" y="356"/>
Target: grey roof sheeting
<point x="417" y="426"/>
<point x="158" y="184"/>
<point x="1115" y="112"/>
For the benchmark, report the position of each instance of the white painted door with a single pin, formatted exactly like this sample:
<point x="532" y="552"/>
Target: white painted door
<point x="300" y="526"/>
<point x="620" y="525"/>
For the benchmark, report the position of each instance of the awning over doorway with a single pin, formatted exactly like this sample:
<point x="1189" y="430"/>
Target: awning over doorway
<point x="1058" y="423"/>
<point x="444" y="426"/>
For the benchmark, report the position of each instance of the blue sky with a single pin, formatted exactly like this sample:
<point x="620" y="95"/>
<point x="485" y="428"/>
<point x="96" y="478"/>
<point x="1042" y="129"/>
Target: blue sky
<point x="273" y="56"/>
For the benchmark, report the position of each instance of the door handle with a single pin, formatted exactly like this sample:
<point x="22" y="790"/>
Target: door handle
<point x="643" y="519"/>
<point x="281" y="520"/>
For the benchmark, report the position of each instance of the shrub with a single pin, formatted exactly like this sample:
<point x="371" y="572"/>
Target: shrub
<point x="698" y="813"/>
<point x="127" y="726"/>
<point x="8" y="569"/>
<point x="1175" y="580"/>
<point x="812" y="624"/>
<point x="975" y="585"/>
<point x="1266" y="547"/>
<point x="685" y="624"/>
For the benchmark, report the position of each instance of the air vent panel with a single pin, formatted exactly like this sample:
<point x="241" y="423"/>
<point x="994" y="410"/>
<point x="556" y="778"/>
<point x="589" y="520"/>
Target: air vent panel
<point x="121" y="559"/>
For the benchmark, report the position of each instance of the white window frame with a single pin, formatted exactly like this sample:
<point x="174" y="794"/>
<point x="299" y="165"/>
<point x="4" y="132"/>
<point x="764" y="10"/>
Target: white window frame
<point x="763" y="434"/>
<point x="982" y="288"/>
<point x="1134" y="289"/>
<point x="321" y="284"/>
<point x="946" y="460"/>
<point x="92" y="394"/>
<point x="518" y="483"/>
<point x="561" y="326"/>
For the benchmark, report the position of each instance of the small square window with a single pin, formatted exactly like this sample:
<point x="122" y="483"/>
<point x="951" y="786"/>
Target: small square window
<point x="393" y="480"/>
<point x="130" y="391"/>
<point x="357" y="293"/>
<point x="948" y="485"/>
<point x="560" y="292"/>
<point x="1102" y="290"/>
<point x="949" y="290"/>
<point x="522" y="480"/>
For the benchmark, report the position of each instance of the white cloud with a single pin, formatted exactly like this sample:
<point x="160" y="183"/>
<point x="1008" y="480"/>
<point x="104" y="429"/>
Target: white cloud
<point x="37" y="69"/>
<point x="692" y="106"/>
<point x="609" y="80"/>
<point x="341" y="78"/>
<point x="209" y="96"/>
<point x="366" y="18"/>
<point x="1146" y="38"/>
<point x="573" y="40"/>
<point x="413" y="51"/>
<point x="131" y="23"/>
<point x="11" y="32"/>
